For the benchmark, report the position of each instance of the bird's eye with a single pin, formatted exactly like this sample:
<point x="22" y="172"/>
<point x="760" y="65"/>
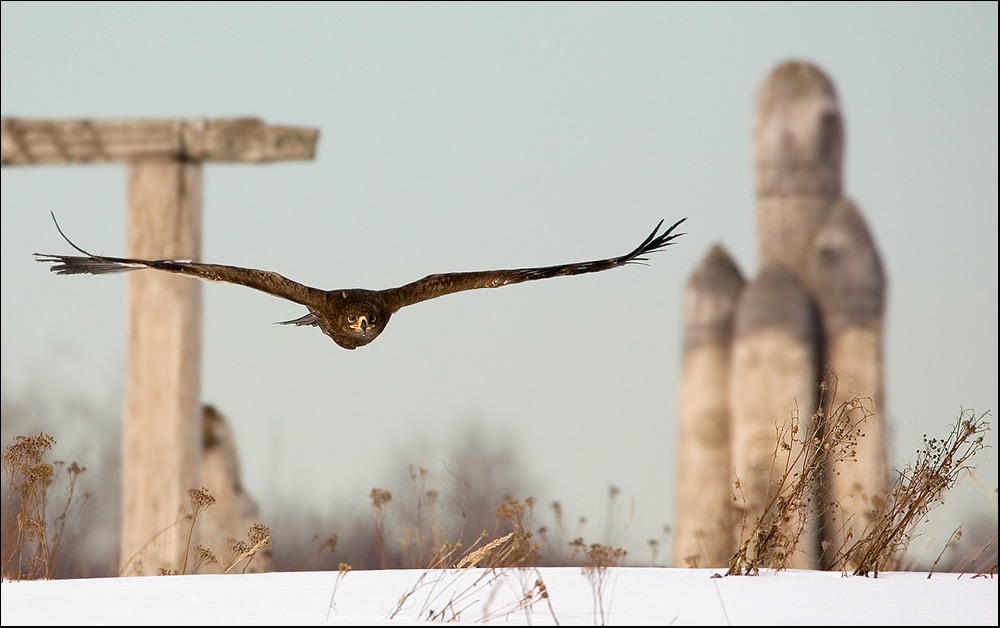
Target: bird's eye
<point x="351" y="318"/>
<point x="371" y="318"/>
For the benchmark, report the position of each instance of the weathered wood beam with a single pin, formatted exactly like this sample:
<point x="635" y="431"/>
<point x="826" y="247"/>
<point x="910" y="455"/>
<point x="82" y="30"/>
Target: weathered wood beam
<point x="36" y="142"/>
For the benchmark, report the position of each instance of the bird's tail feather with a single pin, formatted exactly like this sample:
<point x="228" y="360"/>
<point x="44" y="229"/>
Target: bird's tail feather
<point x="303" y="321"/>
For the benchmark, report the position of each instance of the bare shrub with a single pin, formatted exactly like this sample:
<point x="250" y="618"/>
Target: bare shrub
<point x="31" y="540"/>
<point x="769" y="538"/>
<point x="918" y="488"/>
<point x="82" y="502"/>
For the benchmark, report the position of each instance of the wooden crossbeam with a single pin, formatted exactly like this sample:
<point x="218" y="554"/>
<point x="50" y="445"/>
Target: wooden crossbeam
<point x="29" y="142"/>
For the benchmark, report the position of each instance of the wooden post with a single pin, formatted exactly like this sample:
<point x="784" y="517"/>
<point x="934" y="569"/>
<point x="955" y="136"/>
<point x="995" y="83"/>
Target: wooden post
<point x="704" y="534"/>
<point x="848" y="284"/>
<point x="161" y="444"/>
<point x="161" y="434"/>
<point x="772" y="380"/>
<point x="798" y="150"/>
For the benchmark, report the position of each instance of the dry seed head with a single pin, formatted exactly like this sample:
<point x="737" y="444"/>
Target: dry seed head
<point x="599" y="556"/>
<point x="330" y="544"/>
<point x="200" y="498"/>
<point x="511" y="510"/>
<point x="27" y="451"/>
<point x="239" y="547"/>
<point x="259" y="535"/>
<point x="31" y="528"/>
<point x="206" y="555"/>
<point x="543" y="591"/>
<point x="40" y="473"/>
<point x="472" y="559"/>
<point x="380" y="497"/>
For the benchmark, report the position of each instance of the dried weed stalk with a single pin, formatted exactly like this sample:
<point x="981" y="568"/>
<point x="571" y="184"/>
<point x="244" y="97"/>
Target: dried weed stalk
<point x="456" y="577"/>
<point x="598" y="558"/>
<point x="239" y="552"/>
<point x="29" y="551"/>
<point x="380" y="499"/>
<point x="770" y="537"/>
<point x="918" y="488"/>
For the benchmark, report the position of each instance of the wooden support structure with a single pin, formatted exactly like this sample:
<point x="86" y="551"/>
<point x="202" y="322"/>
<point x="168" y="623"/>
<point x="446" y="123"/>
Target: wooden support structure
<point x="162" y="430"/>
<point x="27" y="142"/>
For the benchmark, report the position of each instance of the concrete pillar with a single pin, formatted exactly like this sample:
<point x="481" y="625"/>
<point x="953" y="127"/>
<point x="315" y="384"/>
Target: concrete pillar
<point x="234" y="511"/>
<point x="798" y="151"/>
<point x="704" y="532"/>
<point x="848" y="283"/>
<point x="772" y="379"/>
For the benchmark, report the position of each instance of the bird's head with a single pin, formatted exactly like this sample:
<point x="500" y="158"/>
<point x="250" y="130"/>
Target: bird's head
<point x="358" y="317"/>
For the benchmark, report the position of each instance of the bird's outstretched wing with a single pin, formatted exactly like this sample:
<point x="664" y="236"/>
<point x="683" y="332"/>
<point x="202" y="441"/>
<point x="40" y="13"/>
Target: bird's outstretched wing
<point x="266" y="281"/>
<point x="434" y="286"/>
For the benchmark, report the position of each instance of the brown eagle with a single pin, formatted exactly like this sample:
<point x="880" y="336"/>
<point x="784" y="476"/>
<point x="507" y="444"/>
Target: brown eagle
<point x="351" y="317"/>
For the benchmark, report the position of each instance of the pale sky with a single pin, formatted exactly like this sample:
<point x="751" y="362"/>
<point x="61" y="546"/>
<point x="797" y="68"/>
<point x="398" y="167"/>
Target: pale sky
<point x="474" y="136"/>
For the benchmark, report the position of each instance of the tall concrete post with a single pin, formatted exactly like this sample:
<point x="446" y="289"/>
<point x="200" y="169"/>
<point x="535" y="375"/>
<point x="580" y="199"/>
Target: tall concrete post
<point x="704" y="531"/>
<point x="772" y="379"/>
<point x="798" y="151"/>
<point x="848" y="284"/>
<point x="234" y="511"/>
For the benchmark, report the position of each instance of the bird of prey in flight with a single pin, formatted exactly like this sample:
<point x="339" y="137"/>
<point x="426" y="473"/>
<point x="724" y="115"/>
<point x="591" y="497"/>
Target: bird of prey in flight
<point x="351" y="317"/>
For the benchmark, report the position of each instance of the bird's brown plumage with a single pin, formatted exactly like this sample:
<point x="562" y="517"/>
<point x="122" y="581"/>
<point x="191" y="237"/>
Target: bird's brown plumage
<point x="351" y="317"/>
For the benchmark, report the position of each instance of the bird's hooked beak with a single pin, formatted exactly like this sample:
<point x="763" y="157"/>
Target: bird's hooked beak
<point x="361" y="324"/>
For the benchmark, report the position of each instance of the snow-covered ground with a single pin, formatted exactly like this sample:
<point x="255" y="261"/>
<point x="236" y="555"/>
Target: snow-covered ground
<point x="631" y="596"/>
